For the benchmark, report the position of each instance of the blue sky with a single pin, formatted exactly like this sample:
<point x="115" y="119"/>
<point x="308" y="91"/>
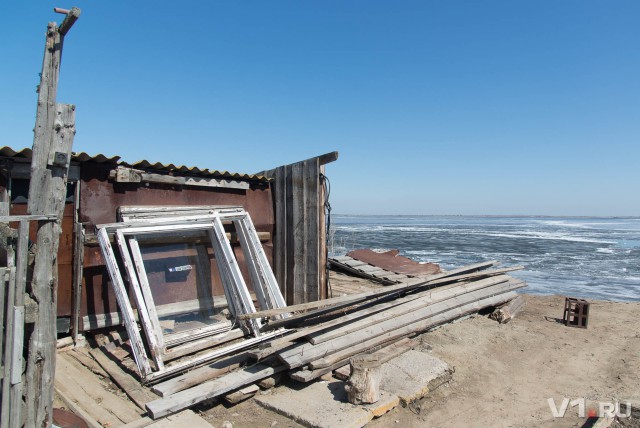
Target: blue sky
<point x="436" y="107"/>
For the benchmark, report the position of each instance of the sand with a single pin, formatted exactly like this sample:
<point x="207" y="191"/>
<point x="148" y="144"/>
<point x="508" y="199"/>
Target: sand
<point x="504" y="374"/>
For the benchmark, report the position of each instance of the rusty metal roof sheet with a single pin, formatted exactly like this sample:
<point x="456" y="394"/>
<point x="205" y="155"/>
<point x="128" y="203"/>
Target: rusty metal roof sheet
<point x="143" y="164"/>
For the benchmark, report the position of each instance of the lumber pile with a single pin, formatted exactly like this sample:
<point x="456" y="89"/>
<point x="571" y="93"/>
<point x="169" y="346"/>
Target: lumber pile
<point x="316" y="338"/>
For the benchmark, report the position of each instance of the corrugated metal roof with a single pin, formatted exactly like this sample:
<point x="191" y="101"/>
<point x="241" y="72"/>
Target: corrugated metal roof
<point x="143" y="164"/>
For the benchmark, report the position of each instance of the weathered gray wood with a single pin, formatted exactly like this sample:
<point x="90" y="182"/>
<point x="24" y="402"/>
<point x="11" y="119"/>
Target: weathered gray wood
<point x="82" y="386"/>
<point x="17" y="385"/>
<point x="363" y="386"/>
<point x="54" y="135"/>
<point x="299" y="250"/>
<point x="78" y="261"/>
<point x="300" y="226"/>
<point x="327" y="158"/>
<point x="355" y="263"/>
<point x="311" y="244"/>
<point x="26" y="217"/>
<point x="409" y="285"/>
<point x="69" y="20"/>
<point x="388" y="349"/>
<point x="130" y="175"/>
<point x="323" y="267"/>
<point x="82" y="356"/>
<point x="8" y="344"/>
<point x="67" y="398"/>
<point x="508" y="311"/>
<point x="4" y="279"/>
<point x="140" y="212"/>
<point x="290" y="228"/>
<point x="280" y="235"/>
<point x="211" y="355"/>
<point x="200" y="375"/>
<point x="397" y="326"/>
<point x="309" y="375"/>
<point x="193" y="346"/>
<point x="349" y="299"/>
<point x="211" y="389"/>
<point x="241" y="394"/>
<point x="270" y="382"/>
<point x="407" y="305"/>
<point x="137" y="393"/>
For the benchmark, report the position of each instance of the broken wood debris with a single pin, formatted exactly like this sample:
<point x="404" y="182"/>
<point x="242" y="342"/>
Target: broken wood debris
<point x="508" y="311"/>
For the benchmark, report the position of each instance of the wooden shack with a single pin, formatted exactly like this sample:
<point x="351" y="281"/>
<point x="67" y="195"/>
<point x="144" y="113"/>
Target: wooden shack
<point x="286" y="204"/>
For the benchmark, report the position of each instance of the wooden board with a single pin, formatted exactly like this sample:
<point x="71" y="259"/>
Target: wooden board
<point x="211" y="389"/>
<point x="82" y="387"/>
<point x="136" y="392"/>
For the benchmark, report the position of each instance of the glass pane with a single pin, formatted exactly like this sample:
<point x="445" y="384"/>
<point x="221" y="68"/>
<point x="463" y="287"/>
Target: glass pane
<point x="181" y="277"/>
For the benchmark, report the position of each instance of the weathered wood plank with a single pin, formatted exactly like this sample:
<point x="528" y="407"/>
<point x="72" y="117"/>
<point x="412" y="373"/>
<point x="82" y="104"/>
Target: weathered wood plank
<point x="136" y="392"/>
<point x="211" y="389"/>
<point x="397" y="326"/>
<point x="280" y="236"/>
<point x="508" y="311"/>
<point x="86" y="388"/>
<point x="8" y="342"/>
<point x="419" y="282"/>
<point x="299" y="233"/>
<point x="78" y="262"/>
<point x="323" y="267"/>
<point x="408" y="304"/>
<point x="200" y="375"/>
<point x="311" y="218"/>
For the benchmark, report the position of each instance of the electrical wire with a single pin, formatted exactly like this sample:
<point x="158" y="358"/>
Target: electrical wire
<point x="326" y="185"/>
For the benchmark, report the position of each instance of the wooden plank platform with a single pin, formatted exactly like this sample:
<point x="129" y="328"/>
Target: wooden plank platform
<point x="82" y="384"/>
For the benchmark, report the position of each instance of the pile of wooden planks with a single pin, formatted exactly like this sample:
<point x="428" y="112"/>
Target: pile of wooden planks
<point x="323" y="336"/>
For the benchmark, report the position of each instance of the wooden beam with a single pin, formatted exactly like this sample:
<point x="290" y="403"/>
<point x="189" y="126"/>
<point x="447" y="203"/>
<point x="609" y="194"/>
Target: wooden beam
<point x="55" y="130"/>
<point x="211" y="389"/>
<point x="26" y="217"/>
<point x="137" y="393"/>
<point x="130" y="175"/>
<point x="328" y="158"/>
<point x="78" y="264"/>
<point x="69" y="20"/>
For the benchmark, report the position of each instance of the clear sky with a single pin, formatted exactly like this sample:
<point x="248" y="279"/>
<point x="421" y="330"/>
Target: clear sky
<point x="436" y="107"/>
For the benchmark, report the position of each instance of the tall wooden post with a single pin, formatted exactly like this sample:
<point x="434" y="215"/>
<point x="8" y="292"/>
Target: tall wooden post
<point x="53" y="138"/>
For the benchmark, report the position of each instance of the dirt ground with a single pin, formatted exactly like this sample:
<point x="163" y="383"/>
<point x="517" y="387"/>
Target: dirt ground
<point x="505" y="374"/>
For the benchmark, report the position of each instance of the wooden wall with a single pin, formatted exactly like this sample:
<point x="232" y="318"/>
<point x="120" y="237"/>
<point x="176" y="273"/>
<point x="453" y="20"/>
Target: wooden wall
<point x="299" y="241"/>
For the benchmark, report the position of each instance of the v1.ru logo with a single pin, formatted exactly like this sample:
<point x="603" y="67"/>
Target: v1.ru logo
<point x="605" y="408"/>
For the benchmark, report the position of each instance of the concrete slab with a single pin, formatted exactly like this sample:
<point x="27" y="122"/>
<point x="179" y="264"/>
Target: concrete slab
<point x="316" y="405"/>
<point x="186" y="418"/>
<point x="413" y="374"/>
<point x="321" y="404"/>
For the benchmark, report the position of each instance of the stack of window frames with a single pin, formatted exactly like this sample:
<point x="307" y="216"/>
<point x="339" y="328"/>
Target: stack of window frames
<point x="164" y="228"/>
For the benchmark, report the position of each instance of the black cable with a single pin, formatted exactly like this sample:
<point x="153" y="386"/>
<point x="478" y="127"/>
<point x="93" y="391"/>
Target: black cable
<point x="326" y="184"/>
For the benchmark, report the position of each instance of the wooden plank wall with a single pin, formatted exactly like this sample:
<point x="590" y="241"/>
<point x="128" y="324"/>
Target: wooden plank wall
<point x="299" y="251"/>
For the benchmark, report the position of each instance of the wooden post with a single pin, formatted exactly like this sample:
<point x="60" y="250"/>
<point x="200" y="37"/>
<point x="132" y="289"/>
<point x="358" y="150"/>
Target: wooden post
<point x="48" y="198"/>
<point x="53" y="137"/>
<point x="363" y="386"/>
